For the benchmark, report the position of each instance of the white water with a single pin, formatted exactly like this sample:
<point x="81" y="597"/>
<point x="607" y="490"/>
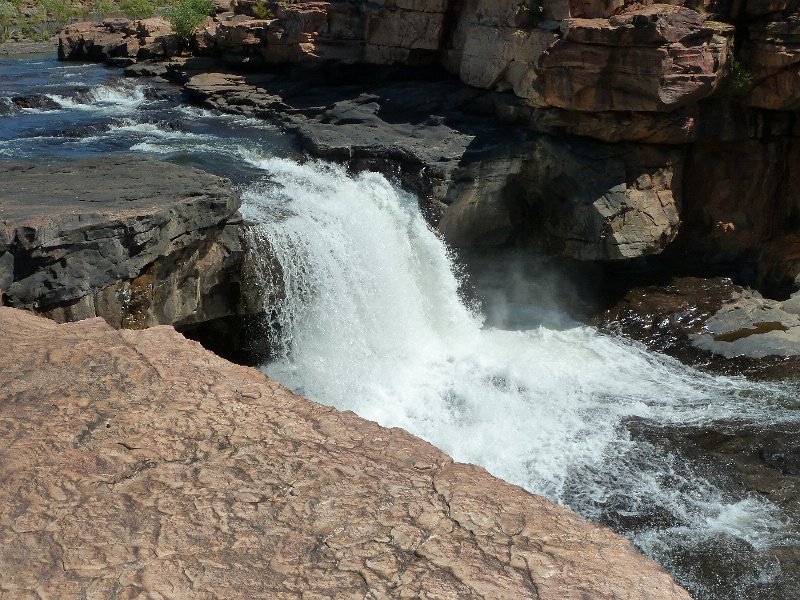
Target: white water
<point x="372" y="321"/>
<point x="119" y="99"/>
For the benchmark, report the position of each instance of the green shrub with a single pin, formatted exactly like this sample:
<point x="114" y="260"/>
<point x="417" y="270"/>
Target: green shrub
<point x="262" y="11"/>
<point x="38" y="25"/>
<point x="103" y="8"/>
<point x="187" y="15"/>
<point x="60" y="11"/>
<point x="8" y="18"/>
<point x="203" y="7"/>
<point x="138" y="9"/>
<point x="741" y="77"/>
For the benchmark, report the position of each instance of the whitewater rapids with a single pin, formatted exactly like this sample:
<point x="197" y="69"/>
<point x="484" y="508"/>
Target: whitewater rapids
<point x="371" y="320"/>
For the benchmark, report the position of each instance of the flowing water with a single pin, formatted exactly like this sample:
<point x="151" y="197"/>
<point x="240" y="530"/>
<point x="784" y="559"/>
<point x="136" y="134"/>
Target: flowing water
<point x="371" y="318"/>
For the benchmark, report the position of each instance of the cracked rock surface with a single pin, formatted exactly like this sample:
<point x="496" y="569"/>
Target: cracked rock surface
<point x="136" y="464"/>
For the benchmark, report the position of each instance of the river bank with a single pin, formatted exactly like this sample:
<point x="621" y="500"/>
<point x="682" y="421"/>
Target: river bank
<point x="23" y="47"/>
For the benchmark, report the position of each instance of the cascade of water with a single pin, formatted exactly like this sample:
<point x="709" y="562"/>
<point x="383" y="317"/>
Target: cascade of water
<point x="370" y="319"/>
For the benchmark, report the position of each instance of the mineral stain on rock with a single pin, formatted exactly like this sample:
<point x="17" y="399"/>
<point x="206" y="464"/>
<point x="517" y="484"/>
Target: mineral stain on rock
<point x="757" y="329"/>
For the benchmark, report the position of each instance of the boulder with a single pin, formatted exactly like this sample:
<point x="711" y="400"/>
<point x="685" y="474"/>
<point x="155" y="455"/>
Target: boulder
<point x="118" y="41"/>
<point x="714" y="323"/>
<point x="137" y="463"/>
<point x="656" y="58"/>
<point x="103" y="237"/>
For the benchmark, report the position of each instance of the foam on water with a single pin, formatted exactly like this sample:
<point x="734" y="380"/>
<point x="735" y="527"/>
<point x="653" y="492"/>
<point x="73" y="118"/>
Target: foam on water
<point x="108" y="99"/>
<point x="372" y="321"/>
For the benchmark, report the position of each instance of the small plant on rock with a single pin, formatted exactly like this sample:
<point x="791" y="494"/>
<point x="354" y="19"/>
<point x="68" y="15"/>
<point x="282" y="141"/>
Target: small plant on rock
<point x="741" y="77"/>
<point x="187" y="15"/>
<point x="262" y="11"/>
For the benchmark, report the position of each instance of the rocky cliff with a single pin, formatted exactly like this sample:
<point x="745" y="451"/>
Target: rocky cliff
<point x="136" y="463"/>
<point x="105" y="237"/>
<point x="597" y="130"/>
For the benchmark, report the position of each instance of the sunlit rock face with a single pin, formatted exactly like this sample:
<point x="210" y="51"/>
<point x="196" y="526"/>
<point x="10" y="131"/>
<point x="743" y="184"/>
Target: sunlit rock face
<point x="685" y="80"/>
<point x="136" y="241"/>
<point x="200" y="477"/>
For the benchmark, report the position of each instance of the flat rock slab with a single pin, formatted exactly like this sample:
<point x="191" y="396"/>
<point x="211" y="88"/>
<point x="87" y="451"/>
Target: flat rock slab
<point x="135" y="463"/>
<point x="69" y="230"/>
<point x="97" y="188"/>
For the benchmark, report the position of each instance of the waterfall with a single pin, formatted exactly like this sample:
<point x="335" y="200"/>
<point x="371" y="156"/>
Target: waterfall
<point x="370" y="320"/>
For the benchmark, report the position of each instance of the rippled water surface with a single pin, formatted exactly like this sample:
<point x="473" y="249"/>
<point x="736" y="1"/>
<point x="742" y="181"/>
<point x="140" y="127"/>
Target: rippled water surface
<point x="372" y="320"/>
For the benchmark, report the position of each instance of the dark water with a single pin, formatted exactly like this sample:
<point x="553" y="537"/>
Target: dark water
<point x="707" y="491"/>
<point x="82" y="110"/>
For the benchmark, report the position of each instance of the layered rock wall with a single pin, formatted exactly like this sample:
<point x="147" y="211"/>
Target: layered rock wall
<point x="103" y="237"/>
<point x="665" y="90"/>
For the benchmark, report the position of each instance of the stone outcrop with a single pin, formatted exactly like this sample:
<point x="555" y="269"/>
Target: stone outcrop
<point x="118" y="41"/>
<point x="684" y="88"/>
<point x="105" y="237"/>
<point x="624" y="204"/>
<point x="771" y="56"/>
<point x="712" y="322"/>
<point x="657" y="58"/>
<point x="136" y="463"/>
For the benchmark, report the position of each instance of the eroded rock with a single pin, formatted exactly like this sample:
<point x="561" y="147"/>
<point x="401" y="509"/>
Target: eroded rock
<point x="118" y="41"/>
<point x="570" y="198"/>
<point x="657" y="58"/>
<point x="104" y="237"/>
<point x="712" y="322"/>
<point x="135" y="462"/>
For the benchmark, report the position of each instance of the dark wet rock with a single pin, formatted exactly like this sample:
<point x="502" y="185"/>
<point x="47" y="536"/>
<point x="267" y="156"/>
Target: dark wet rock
<point x="136" y="241"/>
<point x="712" y="322"/>
<point x="36" y="101"/>
<point x="491" y="184"/>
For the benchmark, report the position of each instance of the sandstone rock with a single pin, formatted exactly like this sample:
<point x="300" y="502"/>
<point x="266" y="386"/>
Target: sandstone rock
<point x="103" y="237"/>
<point x="136" y="463"/>
<point x="729" y="216"/>
<point x="649" y="73"/>
<point x="286" y="34"/>
<point x="415" y="131"/>
<point x="118" y="40"/>
<point x="751" y="326"/>
<point x="654" y="59"/>
<point x="570" y="198"/>
<point x="771" y="58"/>
<point x="491" y="51"/>
<point x="714" y="323"/>
<point x="404" y="32"/>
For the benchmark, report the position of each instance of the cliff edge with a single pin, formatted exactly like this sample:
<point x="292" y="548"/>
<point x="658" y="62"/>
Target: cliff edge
<point x="135" y="462"/>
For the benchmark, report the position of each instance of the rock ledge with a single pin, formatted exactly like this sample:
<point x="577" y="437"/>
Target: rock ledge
<point x="135" y="463"/>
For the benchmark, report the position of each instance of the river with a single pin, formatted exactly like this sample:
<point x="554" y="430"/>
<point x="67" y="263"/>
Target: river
<point x="373" y="320"/>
